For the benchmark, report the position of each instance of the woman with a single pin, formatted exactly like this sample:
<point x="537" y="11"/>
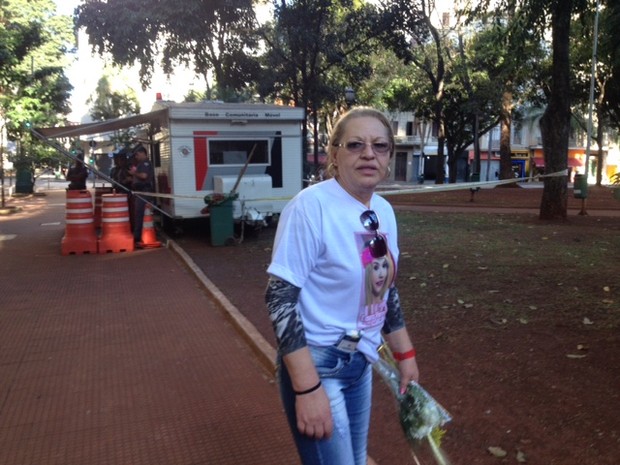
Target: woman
<point x="327" y="338"/>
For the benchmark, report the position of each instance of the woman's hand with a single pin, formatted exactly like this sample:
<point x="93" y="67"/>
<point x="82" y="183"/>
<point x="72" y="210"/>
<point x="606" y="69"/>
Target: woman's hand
<point x="314" y="415"/>
<point x="408" y="372"/>
<point x="400" y="342"/>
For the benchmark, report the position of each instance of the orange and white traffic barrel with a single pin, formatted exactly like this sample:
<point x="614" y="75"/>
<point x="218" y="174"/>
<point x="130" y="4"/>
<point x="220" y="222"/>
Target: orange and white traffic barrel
<point x="149" y="237"/>
<point x="80" y="236"/>
<point x="116" y="233"/>
<point x="99" y="191"/>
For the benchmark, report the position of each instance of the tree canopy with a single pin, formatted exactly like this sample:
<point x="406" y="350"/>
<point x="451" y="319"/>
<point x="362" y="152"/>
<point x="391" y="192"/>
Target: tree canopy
<point x="216" y="37"/>
<point x="33" y="87"/>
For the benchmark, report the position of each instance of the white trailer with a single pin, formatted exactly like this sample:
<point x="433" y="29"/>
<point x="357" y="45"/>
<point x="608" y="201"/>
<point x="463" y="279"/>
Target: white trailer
<point x="210" y="147"/>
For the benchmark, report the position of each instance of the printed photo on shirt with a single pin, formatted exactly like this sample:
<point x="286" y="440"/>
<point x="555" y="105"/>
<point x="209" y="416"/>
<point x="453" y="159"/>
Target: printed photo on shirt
<point x="379" y="274"/>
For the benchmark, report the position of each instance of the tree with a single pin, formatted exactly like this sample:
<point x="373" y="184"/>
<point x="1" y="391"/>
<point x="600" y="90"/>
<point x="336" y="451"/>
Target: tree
<point x="315" y="49"/>
<point x="33" y="88"/>
<point x="610" y="46"/>
<point x="108" y="103"/>
<point x="216" y="37"/>
<point x="582" y="81"/>
<point x="540" y="16"/>
<point x="508" y="55"/>
<point x="415" y="39"/>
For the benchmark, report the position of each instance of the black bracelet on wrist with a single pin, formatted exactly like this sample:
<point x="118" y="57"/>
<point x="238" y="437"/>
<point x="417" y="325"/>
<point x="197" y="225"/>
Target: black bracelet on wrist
<point x="308" y="391"/>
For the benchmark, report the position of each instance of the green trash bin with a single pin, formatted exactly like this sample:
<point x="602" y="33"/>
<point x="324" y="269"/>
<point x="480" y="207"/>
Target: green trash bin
<point x="23" y="181"/>
<point x="580" y="186"/>
<point x="221" y="222"/>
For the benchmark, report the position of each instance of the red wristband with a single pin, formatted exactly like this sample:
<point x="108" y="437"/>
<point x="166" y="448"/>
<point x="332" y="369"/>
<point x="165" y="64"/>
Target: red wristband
<point x="400" y="356"/>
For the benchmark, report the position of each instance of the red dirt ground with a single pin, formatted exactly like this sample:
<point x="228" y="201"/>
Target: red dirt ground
<point x="546" y="392"/>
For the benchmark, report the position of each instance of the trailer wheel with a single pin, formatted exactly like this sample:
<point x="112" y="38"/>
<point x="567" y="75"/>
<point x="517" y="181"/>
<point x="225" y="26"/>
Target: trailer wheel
<point x="173" y="227"/>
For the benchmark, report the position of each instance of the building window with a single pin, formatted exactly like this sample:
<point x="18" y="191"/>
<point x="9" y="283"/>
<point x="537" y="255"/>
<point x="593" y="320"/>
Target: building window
<point x="236" y="152"/>
<point x="517" y="136"/>
<point x="395" y="127"/>
<point x="445" y="19"/>
<point x="409" y="128"/>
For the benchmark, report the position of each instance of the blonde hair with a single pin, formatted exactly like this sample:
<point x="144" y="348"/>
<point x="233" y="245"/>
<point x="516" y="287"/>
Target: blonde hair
<point x="340" y="129"/>
<point x="388" y="279"/>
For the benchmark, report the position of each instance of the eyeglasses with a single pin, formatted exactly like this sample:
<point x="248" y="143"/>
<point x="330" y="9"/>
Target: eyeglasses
<point x="356" y="147"/>
<point x="377" y="245"/>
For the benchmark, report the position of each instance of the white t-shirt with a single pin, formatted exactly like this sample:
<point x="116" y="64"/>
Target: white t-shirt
<point x="321" y="247"/>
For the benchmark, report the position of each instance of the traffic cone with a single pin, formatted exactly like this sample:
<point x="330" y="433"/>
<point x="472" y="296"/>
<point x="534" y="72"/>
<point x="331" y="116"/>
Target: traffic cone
<point x="115" y="231"/>
<point x="80" y="236"/>
<point x="149" y="238"/>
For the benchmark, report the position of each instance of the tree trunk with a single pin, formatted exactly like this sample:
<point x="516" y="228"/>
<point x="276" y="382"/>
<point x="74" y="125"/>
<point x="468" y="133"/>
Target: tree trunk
<point x="452" y="164"/>
<point x="476" y="169"/>
<point x="505" y="155"/>
<point x="441" y="139"/>
<point x="440" y="162"/>
<point x="555" y="122"/>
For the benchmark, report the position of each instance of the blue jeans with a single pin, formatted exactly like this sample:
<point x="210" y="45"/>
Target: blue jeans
<point x="347" y="380"/>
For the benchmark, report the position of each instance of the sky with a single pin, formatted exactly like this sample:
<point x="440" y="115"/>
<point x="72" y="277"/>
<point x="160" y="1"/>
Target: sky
<point x="66" y="7"/>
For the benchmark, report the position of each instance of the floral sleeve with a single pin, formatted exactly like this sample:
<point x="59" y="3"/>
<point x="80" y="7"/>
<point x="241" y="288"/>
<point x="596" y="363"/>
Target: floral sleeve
<point x="281" y="299"/>
<point x="394" y="319"/>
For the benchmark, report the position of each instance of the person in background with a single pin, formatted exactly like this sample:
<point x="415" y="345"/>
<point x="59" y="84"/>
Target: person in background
<point x="143" y="180"/>
<point x="77" y="174"/>
<point x="327" y="335"/>
<point x="120" y="170"/>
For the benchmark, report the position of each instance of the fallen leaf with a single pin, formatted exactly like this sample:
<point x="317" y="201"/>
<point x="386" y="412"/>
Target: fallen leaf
<point x="607" y="301"/>
<point x="413" y="277"/>
<point x="575" y="356"/>
<point x="446" y="265"/>
<point x="523" y="321"/>
<point x="521" y="457"/>
<point x="606" y="289"/>
<point x="497" y="451"/>
<point x="587" y="321"/>
<point x="468" y="305"/>
<point x="533" y="307"/>
<point x="493" y="291"/>
<point x="483" y="268"/>
<point x="460" y="301"/>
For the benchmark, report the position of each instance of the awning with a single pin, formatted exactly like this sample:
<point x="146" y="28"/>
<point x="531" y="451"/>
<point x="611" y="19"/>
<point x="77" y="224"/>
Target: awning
<point x="100" y="127"/>
<point x="571" y="162"/>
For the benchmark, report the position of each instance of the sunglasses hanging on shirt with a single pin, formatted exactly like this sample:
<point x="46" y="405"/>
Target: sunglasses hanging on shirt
<point x="377" y="245"/>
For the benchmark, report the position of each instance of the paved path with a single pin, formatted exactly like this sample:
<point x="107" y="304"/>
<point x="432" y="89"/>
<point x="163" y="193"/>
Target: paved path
<point x="122" y="359"/>
<point x="134" y="358"/>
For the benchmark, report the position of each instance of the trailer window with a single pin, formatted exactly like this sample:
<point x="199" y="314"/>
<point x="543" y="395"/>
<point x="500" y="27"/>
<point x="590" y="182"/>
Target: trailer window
<point x="236" y="152"/>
